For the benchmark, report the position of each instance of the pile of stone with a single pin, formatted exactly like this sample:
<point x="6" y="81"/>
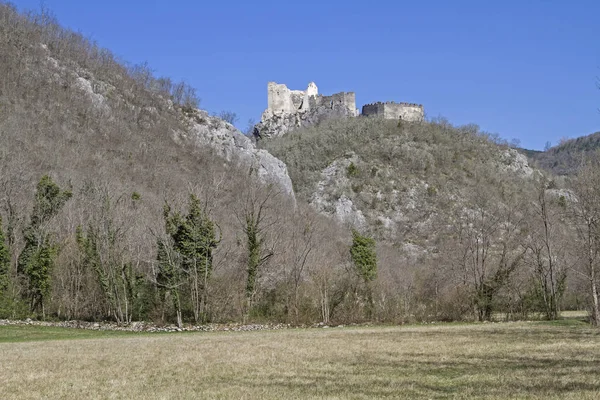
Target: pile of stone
<point x="146" y="326"/>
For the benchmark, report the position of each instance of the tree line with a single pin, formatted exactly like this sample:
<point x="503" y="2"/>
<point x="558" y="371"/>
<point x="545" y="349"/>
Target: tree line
<point x="507" y="251"/>
<point x="95" y="272"/>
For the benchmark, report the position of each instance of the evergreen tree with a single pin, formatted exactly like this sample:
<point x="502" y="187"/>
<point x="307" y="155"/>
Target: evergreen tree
<point x="364" y="256"/>
<point x="36" y="260"/>
<point x="4" y="262"/>
<point x="364" y="259"/>
<point x="195" y="239"/>
<point x="186" y="259"/>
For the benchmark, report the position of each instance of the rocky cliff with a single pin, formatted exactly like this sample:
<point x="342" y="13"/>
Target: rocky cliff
<point x="197" y="127"/>
<point x="229" y="143"/>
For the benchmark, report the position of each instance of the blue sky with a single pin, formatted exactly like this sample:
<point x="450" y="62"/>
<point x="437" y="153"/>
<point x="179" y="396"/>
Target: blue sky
<point x="523" y="69"/>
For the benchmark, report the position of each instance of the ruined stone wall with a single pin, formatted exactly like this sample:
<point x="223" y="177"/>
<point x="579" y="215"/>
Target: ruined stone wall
<point x="311" y="91"/>
<point x="372" y="110"/>
<point x="282" y="100"/>
<point x="291" y="109"/>
<point x="279" y="98"/>
<point x="404" y="111"/>
<point x="344" y="102"/>
<point x="391" y="110"/>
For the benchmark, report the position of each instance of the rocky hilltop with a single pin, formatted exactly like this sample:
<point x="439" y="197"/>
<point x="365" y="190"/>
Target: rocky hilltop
<point x="126" y="101"/>
<point x="292" y="109"/>
<point x="402" y="183"/>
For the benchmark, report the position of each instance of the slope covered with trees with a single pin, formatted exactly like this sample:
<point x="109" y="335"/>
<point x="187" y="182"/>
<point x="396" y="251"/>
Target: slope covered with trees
<point x="398" y="180"/>
<point x="566" y="157"/>
<point x="115" y="205"/>
<point x="98" y="163"/>
<point x="466" y="225"/>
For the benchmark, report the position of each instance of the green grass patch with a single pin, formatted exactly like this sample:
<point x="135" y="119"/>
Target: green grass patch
<point x="32" y="333"/>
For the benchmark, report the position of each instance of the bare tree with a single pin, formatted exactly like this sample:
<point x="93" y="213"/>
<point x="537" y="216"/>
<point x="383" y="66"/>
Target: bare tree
<point x="546" y="251"/>
<point x="103" y="245"/>
<point x="229" y="117"/>
<point x="249" y="131"/>
<point x="488" y="247"/>
<point x="299" y="247"/>
<point x="256" y="217"/>
<point x="584" y="212"/>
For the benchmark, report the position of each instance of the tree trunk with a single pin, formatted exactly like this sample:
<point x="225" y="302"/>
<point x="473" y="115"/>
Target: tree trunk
<point x="595" y="301"/>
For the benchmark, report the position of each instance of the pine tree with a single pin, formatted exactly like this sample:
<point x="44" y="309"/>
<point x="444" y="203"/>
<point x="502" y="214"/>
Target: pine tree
<point x="195" y="239"/>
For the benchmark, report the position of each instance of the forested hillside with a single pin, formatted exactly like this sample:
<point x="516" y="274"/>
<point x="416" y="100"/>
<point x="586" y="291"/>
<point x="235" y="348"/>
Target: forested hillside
<point x="93" y="153"/>
<point x="121" y="200"/>
<point x="399" y="181"/>
<point x="565" y="158"/>
<point x="471" y="227"/>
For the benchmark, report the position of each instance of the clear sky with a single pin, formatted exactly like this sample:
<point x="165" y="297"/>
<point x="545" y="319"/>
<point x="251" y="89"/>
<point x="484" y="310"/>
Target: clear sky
<point x="524" y="69"/>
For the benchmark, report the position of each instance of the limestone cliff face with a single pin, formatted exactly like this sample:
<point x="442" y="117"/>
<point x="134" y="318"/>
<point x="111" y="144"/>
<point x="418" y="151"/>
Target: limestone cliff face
<point x="232" y="145"/>
<point x="202" y="130"/>
<point x="291" y="109"/>
<point x="393" y="204"/>
<point x="330" y="197"/>
<point x="385" y="213"/>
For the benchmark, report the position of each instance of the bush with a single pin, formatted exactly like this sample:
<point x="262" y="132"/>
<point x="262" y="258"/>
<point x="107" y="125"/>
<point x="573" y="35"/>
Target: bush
<point x="352" y="171"/>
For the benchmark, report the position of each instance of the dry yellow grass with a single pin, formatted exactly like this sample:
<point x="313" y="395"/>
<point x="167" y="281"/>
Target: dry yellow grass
<point x="506" y="360"/>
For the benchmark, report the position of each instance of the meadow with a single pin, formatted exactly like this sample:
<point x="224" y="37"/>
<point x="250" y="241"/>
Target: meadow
<point x="531" y="360"/>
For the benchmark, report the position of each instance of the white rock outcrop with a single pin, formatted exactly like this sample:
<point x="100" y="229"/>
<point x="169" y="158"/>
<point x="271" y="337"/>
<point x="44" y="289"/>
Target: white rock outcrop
<point x="513" y="161"/>
<point x="229" y="143"/>
<point x="326" y="201"/>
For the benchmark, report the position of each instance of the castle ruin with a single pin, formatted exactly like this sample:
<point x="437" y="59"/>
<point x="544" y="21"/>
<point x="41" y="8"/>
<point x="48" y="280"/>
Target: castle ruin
<point x="392" y="110"/>
<point x="282" y="100"/>
<point x="290" y="109"/>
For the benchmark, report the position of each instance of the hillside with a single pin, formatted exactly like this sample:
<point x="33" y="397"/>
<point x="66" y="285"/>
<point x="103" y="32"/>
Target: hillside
<point x="120" y="144"/>
<point x="122" y="200"/>
<point x="70" y="105"/>
<point x="565" y="158"/>
<point x="400" y="182"/>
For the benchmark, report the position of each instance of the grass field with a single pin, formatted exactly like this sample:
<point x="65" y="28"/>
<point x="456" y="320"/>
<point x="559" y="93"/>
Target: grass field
<point x="558" y="360"/>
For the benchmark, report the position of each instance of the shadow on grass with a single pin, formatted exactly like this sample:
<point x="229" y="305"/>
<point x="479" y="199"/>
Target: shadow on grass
<point x="517" y="376"/>
<point x="501" y="372"/>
